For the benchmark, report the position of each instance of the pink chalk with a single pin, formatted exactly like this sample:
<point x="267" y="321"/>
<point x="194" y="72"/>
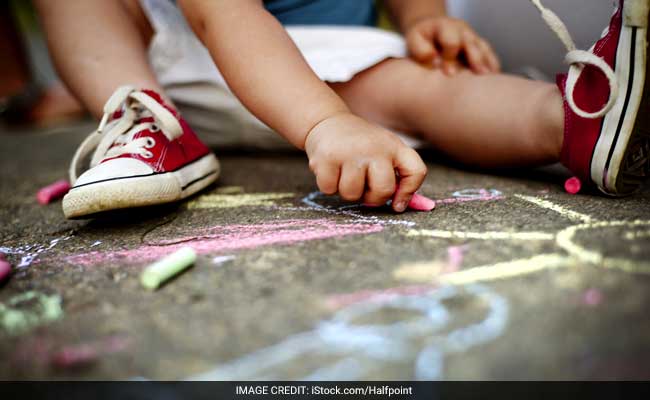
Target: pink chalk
<point x="592" y="297"/>
<point x="53" y="192"/>
<point x="572" y="185"/>
<point x="72" y="357"/>
<point x="80" y="355"/>
<point x="421" y="203"/>
<point x="5" y="270"/>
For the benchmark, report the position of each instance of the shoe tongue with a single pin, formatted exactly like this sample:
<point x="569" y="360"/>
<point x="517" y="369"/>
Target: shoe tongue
<point x="145" y="119"/>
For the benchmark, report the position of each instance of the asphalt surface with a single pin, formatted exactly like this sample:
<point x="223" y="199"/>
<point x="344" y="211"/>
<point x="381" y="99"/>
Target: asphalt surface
<point x="509" y="278"/>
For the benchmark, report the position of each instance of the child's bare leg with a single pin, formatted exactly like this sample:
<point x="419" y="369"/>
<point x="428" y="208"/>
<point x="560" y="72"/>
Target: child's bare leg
<point x="97" y="46"/>
<point x="486" y="120"/>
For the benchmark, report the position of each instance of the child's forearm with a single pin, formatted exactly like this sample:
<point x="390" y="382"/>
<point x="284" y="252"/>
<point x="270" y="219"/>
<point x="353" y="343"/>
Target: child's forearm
<point x="262" y="66"/>
<point x="407" y="12"/>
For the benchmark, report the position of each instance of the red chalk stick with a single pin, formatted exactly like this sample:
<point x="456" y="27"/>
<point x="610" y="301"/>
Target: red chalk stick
<point x="421" y="203"/>
<point x="5" y="270"/>
<point x="572" y="185"/>
<point x="73" y="357"/>
<point x="53" y="192"/>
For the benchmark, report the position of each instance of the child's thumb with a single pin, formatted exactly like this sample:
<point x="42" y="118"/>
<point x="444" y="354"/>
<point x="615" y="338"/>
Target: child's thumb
<point x="412" y="171"/>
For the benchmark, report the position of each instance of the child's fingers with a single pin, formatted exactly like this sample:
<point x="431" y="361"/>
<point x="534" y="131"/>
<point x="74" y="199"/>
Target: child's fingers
<point x="421" y="45"/>
<point x="412" y="172"/>
<point x="352" y="182"/>
<point x="475" y="57"/>
<point x="451" y="42"/>
<point x="327" y="178"/>
<point x="381" y="183"/>
<point x="490" y="55"/>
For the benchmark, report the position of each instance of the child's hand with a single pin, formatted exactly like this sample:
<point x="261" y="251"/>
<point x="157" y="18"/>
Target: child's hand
<point x="441" y="40"/>
<point x="359" y="160"/>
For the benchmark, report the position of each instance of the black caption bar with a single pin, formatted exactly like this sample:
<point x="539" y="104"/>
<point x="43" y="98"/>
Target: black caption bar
<point x="323" y="390"/>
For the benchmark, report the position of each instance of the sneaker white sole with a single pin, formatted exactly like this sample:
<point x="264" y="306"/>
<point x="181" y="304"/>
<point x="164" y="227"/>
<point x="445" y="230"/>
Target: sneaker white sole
<point x="619" y="164"/>
<point x="141" y="191"/>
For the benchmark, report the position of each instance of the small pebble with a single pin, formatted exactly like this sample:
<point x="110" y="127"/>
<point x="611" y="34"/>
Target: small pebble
<point x="573" y="185"/>
<point x="53" y="192"/>
<point x="5" y="270"/>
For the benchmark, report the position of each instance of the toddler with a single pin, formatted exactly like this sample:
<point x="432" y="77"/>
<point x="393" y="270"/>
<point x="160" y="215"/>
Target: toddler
<point x="318" y="73"/>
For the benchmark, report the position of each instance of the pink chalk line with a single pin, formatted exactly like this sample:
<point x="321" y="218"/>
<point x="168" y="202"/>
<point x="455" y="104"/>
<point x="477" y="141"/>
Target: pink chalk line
<point x="455" y="255"/>
<point x="337" y="301"/>
<point x="231" y="237"/>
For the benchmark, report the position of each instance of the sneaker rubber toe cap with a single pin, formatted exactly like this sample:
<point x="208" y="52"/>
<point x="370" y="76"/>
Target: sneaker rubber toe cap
<point x="117" y="168"/>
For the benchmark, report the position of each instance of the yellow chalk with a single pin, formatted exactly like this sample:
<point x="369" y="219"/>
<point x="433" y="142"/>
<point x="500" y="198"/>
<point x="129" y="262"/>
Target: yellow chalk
<point x="481" y="235"/>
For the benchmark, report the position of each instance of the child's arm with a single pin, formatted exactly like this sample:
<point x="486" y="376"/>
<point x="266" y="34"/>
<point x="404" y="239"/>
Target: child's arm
<point x="268" y="74"/>
<point x="436" y="39"/>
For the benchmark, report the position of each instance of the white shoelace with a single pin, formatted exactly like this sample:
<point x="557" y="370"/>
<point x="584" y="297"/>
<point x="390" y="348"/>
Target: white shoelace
<point x="112" y="139"/>
<point x="578" y="59"/>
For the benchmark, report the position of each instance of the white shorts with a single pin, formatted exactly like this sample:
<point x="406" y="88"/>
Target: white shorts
<point x="190" y="78"/>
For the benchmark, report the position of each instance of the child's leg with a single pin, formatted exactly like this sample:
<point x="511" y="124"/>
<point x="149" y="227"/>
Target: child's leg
<point x="98" y="46"/>
<point x="487" y="120"/>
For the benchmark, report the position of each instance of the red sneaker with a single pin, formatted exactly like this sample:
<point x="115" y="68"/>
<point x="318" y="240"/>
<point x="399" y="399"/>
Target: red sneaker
<point x="607" y="101"/>
<point x="144" y="154"/>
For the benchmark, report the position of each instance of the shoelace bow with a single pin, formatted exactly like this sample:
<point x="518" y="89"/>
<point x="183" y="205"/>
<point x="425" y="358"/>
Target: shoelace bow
<point x="578" y="59"/>
<point x="114" y="138"/>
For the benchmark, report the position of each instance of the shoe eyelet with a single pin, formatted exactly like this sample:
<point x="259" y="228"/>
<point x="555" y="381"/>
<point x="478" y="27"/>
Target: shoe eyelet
<point x="154" y="128"/>
<point x="151" y="142"/>
<point x="147" y="154"/>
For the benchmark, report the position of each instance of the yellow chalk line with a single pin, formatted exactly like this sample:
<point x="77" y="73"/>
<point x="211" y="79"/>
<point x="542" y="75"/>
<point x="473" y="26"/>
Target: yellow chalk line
<point x="236" y="200"/>
<point x="565" y="239"/>
<point x="423" y="272"/>
<point x="420" y="272"/>
<point x="637" y="235"/>
<point x="570" y="214"/>
<point x="481" y="235"/>
<point x="507" y="269"/>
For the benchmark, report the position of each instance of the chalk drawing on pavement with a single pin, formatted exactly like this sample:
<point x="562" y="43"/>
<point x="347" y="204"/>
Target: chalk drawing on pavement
<point x="363" y="350"/>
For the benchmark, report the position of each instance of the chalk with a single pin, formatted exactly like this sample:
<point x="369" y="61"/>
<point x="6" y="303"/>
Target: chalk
<point x="158" y="273"/>
<point x="3" y="256"/>
<point x="421" y="203"/>
<point x="73" y="357"/>
<point x="53" y="192"/>
<point x="572" y="185"/>
<point x="592" y="297"/>
<point x="5" y="270"/>
<point x="417" y="203"/>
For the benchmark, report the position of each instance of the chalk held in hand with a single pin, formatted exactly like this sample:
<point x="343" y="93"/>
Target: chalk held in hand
<point x="573" y="185"/>
<point x="158" y="273"/>
<point x="421" y="203"/>
<point x="53" y="192"/>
